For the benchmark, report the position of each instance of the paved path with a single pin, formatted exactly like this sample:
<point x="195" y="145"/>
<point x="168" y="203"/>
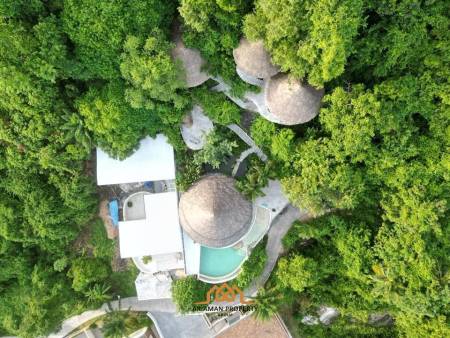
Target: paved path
<point x="70" y="324"/>
<point x="274" y="247"/>
<point x="226" y="89"/>
<point x="243" y="156"/>
<point x="247" y="139"/>
<point x="170" y="323"/>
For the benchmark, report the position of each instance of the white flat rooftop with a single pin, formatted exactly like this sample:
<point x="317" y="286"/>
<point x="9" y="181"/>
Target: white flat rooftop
<point x="159" y="233"/>
<point x="153" y="161"/>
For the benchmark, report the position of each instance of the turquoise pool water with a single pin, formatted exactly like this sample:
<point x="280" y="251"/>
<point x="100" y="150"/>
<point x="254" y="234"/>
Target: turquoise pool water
<point x="219" y="262"/>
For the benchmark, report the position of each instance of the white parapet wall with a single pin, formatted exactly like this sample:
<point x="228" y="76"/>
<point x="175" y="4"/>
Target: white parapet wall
<point x="248" y="78"/>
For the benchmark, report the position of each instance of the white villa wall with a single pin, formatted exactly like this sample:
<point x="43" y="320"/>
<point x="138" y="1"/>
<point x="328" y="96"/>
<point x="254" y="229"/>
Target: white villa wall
<point x="191" y="255"/>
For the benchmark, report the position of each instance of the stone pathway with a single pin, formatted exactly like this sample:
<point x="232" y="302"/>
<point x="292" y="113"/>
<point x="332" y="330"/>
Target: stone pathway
<point x="280" y="226"/>
<point x="226" y="89"/>
<point x="247" y="139"/>
<point x="132" y="303"/>
<point x="241" y="158"/>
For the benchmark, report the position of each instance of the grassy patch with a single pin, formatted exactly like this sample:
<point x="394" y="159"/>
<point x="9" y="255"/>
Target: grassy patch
<point x="103" y="247"/>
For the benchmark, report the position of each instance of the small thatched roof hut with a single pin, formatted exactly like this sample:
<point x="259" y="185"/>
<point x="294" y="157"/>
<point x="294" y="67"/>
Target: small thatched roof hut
<point x="253" y="59"/>
<point x="291" y="101"/>
<point x="191" y="60"/>
<point x="214" y="213"/>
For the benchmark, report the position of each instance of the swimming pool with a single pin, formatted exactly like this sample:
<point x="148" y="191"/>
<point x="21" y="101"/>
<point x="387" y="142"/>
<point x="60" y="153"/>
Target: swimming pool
<point x="220" y="262"/>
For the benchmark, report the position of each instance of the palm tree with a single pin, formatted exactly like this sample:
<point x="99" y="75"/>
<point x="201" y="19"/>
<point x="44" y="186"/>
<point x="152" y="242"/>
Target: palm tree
<point x="75" y="131"/>
<point x="266" y="303"/>
<point x="98" y="293"/>
<point x="116" y="324"/>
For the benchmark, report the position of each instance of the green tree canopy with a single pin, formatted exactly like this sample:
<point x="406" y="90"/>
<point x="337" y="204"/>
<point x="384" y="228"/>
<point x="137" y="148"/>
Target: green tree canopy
<point x="99" y="28"/>
<point x="310" y="39"/>
<point x="115" y="125"/>
<point x="152" y="74"/>
<point x="214" y="28"/>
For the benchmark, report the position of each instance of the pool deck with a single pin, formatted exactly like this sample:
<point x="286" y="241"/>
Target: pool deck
<point x="259" y="228"/>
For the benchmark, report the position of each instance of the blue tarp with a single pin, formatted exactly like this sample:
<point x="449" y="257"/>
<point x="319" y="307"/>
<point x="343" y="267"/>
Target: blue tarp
<point x="114" y="212"/>
<point x="149" y="185"/>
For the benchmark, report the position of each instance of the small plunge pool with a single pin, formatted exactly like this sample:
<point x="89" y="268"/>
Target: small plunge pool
<point x="220" y="262"/>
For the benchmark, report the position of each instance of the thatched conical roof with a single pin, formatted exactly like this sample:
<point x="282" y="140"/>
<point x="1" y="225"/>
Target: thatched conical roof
<point x="291" y="101"/>
<point x="214" y="213"/>
<point x="191" y="60"/>
<point x="252" y="58"/>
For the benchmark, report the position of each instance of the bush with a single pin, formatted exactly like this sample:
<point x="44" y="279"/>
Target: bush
<point x="187" y="170"/>
<point x="147" y="259"/>
<point x="122" y="282"/>
<point x="253" y="266"/>
<point x="215" y="151"/>
<point x="262" y="132"/>
<point x="86" y="270"/>
<point x="117" y="323"/>
<point x="217" y="106"/>
<point x="256" y="178"/>
<point x="187" y="291"/>
<point x="343" y="327"/>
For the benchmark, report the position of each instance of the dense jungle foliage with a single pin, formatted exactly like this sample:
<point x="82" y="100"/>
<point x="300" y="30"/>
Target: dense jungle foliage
<point x="374" y="165"/>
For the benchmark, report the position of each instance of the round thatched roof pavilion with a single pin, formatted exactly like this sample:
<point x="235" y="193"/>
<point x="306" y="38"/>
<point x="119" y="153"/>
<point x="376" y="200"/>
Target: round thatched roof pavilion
<point x="192" y="62"/>
<point x="214" y="213"/>
<point x="253" y="60"/>
<point x="291" y="101"/>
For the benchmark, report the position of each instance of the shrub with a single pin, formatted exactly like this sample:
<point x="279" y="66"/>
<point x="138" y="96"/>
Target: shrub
<point x="215" y="150"/>
<point x="187" y="170"/>
<point x="253" y="266"/>
<point x="263" y="131"/>
<point x="256" y="178"/>
<point x="217" y="106"/>
<point x="187" y="291"/>
<point x="86" y="270"/>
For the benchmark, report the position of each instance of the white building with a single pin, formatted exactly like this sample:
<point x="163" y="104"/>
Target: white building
<point x="150" y="232"/>
<point x="153" y="161"/>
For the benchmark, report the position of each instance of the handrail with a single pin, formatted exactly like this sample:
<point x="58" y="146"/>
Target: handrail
<point x="247" y="139"/>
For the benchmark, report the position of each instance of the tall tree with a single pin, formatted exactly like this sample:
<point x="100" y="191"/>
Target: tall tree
<point x="310" y="39"/>
<point x="99" y="28"/>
